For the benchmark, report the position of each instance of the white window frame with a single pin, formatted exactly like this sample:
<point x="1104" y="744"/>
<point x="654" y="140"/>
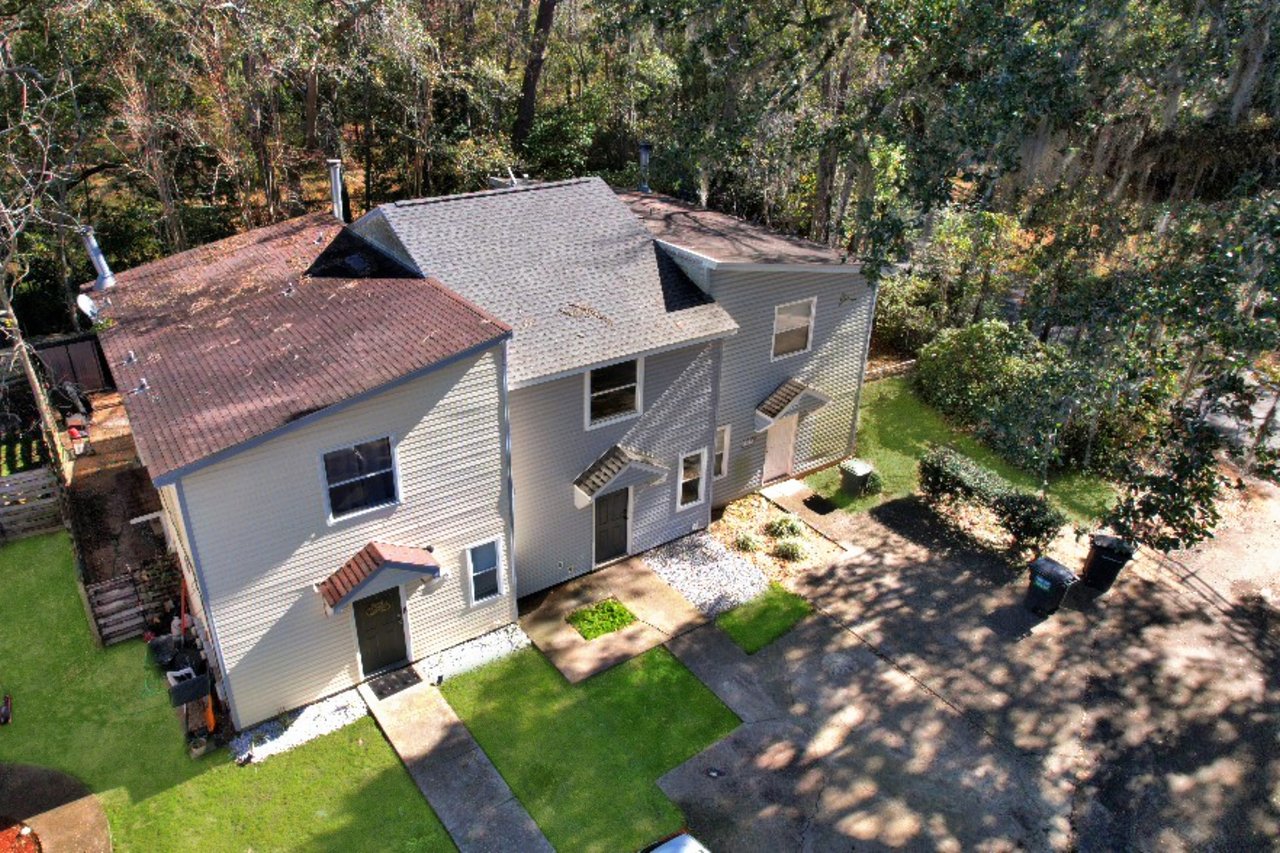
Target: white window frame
<point x="472" y="601"/>
<point x="728" y="443"/>
<point x="395" y="475"/>
<point x="813" y="312"/>
<point x="589" y="424"/>
<point x="701" y="453"/>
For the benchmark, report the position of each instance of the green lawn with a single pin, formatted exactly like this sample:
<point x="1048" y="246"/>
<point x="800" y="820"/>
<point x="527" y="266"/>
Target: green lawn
<point x="764" y="618"/>
<point x="104" y="716"/>
<point x="584" y="758"/>
<point x="601" y="618"/>
<point x="896" y="428"/>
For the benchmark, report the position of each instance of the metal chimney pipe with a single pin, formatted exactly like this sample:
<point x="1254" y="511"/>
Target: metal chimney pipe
<point x="105" y="279"/>
<point x="335" y="188"/>
<point x="646" y="148"/>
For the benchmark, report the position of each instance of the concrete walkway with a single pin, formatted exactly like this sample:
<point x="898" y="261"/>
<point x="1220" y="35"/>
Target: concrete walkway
<point x="661" y="613"/>
<point x="65" y="815"/>
<point x="466" y="791"/>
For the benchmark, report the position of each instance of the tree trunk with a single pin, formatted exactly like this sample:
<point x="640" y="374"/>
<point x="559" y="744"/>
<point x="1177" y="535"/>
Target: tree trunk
<point x="311" y="108"/>
<point x="532" y="71"/>
<point x="834" y="87"/>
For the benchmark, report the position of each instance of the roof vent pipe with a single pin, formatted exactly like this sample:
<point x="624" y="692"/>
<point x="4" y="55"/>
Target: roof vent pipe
<point x="105" y="278"/>
<point x="646" y="148"/>
<point x="335" y="188"/>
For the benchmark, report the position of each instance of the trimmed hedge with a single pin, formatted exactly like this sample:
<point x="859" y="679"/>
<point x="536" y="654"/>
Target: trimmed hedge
<point x="947" y="476"/>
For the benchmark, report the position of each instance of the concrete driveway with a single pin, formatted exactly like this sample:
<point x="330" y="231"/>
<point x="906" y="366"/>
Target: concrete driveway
<point x="923" y="709"/>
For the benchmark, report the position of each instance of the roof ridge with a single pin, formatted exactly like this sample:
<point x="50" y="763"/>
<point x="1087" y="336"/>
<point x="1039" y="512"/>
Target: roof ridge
<point x="522" y="188"/>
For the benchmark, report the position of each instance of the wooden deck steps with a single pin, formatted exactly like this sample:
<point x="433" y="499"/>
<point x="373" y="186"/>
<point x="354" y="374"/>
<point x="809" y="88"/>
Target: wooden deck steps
<point x="117" y="610"/>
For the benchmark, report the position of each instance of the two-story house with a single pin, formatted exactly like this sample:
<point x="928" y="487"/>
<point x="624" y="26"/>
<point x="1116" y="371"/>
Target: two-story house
<point x="369" y="439"/>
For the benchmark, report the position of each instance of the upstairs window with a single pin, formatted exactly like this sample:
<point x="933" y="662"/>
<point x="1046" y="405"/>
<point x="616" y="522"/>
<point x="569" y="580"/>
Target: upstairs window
<point x="692" y="470"/>
<point x="720" y="465"/>
<point x="793" y="328"/>
<point x="360" y="477"/>
<point x="482" y="561"/>
<point x="613" y="392"/>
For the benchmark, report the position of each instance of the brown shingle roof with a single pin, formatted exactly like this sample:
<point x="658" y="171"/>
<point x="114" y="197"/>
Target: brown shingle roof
<point x="372" y="558"/>
<point x="236" y="338"/>
<point x="721" y="237"/>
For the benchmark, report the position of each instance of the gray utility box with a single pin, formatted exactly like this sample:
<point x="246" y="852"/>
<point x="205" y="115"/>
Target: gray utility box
<point x="854" y="474"/>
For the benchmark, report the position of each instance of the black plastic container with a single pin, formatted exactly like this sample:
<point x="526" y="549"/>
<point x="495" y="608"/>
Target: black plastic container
<point x="1048" y="586"/>
<point x="1107" y="556"/>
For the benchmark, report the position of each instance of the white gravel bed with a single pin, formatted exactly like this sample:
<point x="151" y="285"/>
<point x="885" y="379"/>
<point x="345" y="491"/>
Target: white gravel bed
<point x="703" y="570"/>
<point x="328" y="715"/>
<point x="297" y="727"/>
<point x="473" y="654"/>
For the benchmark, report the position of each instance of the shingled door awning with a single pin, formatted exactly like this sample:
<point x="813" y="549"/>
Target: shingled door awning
<point x="792" y="397"/>
<point x="343" y="586"/>
<point x="618" y="467"/>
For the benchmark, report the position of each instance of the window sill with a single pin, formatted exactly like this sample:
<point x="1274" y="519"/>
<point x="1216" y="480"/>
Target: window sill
<point x="339" y="519"/>
<point x="472" y="605"/>
<point x="616" y="419"/>
<point x="773" y="358"/>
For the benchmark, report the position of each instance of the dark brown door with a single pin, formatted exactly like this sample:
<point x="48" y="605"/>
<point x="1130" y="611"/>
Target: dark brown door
<point x="380" y="631"/>
<point x="611" y="525"/>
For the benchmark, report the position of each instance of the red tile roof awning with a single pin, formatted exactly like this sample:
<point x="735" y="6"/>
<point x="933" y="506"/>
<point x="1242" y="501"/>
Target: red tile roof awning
<point x="341" y="587"/>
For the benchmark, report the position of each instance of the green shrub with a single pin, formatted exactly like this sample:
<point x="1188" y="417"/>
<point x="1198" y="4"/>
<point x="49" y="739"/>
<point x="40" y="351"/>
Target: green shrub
<point x="875" y="483"/>
<point x="789" y="550"/>
<point x="785" y="525"/>
<point x="747" y="542"/>
<point x="971" y="373"/>
<point x="909" y="313"/>
<point x="947" y="476"/>
<point x="1030" y="519"/>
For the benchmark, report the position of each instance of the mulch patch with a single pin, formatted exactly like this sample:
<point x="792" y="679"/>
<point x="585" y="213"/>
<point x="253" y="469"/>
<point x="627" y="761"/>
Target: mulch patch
<point x="17" y="837"/>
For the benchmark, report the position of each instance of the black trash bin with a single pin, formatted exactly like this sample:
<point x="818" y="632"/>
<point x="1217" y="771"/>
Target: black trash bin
<point x="1048" y="585"/>
<point x="1107" y="556"/>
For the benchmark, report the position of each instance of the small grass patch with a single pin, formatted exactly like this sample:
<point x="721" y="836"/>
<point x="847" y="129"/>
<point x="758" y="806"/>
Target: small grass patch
<point x="584" y="758"/>
<point x="896" y="428"/>
<point x="103" y="715"/>
<point x="764" y="618"/>
<point x="603" y="617"/>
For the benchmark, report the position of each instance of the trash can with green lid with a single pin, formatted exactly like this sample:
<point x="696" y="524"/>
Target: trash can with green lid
<point x="1107" y="556"/>
<point x="1048" y="585"/>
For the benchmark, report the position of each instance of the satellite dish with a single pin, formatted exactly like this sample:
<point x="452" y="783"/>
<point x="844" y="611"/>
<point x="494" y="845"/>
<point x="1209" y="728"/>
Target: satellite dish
<point x="86" y="304"/>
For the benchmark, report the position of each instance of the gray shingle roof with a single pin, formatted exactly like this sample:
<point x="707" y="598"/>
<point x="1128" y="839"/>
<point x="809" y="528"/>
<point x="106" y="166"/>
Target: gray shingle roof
<point x="566" y="264"/>
<point x="611" y="463"/>
<point x="792" y="396"/>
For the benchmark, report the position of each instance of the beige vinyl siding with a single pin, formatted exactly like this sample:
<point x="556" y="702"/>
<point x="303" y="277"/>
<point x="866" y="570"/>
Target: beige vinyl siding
<point x="179" y="544"/>
<point x="260" y="524"/>
<point x="834" y="364"/>
<point x="550" y="448"/>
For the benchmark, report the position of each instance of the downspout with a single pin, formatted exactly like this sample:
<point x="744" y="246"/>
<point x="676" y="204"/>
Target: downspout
<point x="509" y="525"/>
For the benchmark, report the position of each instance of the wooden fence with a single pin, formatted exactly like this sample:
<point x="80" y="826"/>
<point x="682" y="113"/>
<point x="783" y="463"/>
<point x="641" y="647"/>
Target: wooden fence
<point x="29" y="504"/>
